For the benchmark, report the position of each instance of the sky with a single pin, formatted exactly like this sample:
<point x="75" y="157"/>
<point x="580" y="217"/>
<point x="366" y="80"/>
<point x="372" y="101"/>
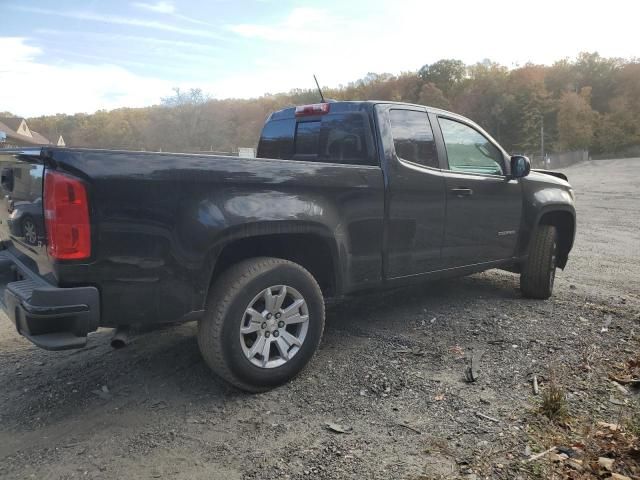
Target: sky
<point x="69" y="56"/>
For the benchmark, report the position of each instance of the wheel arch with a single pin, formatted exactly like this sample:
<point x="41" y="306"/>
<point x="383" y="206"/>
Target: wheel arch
<point x="312" y="247"/>
<point x="564" y="220"/>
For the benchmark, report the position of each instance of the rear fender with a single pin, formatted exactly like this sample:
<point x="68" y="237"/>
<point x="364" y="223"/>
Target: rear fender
<point x="273" y="229"/>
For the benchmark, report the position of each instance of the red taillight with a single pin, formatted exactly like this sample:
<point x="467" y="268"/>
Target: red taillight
<point x="315" y="109"/>
<point x="66" y="213"/>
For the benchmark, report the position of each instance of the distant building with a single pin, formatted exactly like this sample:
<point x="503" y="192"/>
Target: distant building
<point x="14" y="132"/>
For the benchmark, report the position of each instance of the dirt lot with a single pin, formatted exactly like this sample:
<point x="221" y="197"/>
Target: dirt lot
<point x="389" y="372"/>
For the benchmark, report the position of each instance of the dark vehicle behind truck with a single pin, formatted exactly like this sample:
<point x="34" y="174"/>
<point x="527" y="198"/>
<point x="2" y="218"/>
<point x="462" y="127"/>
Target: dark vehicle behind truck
<point x="344" y="197"/>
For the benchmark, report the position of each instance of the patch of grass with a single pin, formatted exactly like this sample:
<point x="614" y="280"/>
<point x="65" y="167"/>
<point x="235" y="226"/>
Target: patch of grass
<point x="633" y="421"/>
<point x="611" y="434"/>
<point x="538" y="470"/>
<point x="554" y="399"/>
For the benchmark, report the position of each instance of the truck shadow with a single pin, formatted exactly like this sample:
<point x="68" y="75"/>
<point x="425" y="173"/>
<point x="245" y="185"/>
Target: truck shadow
<point x="163" y="371"/>
<point x="430" y="298"/>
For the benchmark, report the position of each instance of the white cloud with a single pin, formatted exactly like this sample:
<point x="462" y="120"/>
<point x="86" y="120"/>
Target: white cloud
<point x="158" y="7"/>
<point x="337" y="45"/>
<point x="31" y="88"/>
<point x="346" y="42"/>
<point x="168" y="8"/>
<point x="303" y="24"/>
<point x="120" y="20"/>
<point x="16" y="51"/>
<point x="341" y="46"/>
<point x="109" y="38"/>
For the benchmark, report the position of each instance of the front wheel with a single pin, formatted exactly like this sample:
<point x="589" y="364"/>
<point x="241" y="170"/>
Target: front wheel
<point x="539" y="271"/>
<point x="263" y="323"/>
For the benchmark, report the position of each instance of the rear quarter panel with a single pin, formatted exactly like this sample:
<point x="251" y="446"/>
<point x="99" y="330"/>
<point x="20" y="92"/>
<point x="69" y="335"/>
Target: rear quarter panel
<point x="160" y="220"/>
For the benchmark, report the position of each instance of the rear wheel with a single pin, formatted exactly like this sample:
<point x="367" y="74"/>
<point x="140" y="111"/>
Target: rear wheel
<point x="538" y="274"/>
<point x="263" y="323"/>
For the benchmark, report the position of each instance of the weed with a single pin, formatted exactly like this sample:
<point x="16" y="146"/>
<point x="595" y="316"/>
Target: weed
<point x="554" y="399"/>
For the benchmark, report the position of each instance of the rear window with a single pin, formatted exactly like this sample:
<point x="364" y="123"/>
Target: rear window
<point x="336" y="138"/>
<point x="307" y="138"/>
<point x="276" y="140"/>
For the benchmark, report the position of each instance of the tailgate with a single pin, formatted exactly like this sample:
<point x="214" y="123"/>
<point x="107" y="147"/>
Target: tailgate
<point x="21" y="209"/>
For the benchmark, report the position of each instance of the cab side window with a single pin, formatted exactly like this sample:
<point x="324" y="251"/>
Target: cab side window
<point x="469" y="151"/>
<point x="413" y="137"/>
<point x="344" y="139"/>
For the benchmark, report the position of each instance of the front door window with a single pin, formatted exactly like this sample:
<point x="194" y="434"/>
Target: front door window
<point x="469" y="151"/>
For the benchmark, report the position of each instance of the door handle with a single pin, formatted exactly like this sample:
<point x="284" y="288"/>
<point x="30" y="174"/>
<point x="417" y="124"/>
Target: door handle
<point x="462" y="192"/>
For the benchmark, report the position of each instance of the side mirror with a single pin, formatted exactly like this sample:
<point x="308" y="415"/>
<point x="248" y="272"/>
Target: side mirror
<point x="520" y="166"/>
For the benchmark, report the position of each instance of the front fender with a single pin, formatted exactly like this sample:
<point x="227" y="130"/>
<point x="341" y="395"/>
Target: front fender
<point x="538" y="201"/>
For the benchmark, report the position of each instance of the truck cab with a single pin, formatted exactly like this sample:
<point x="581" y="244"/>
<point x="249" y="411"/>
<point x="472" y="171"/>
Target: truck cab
<point x="453" y="202"/>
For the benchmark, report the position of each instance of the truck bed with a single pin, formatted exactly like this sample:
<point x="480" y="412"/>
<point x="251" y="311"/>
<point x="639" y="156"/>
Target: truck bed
<point x="160" y="220"/>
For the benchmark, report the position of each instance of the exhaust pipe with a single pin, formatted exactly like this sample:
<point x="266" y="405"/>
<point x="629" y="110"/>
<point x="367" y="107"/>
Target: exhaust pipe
<point x="121" y="337"/>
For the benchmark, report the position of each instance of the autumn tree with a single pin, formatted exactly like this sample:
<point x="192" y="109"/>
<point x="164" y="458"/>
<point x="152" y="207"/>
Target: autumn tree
<point x="432" y="96"/>
<point x="588" y="102"/>
<point x="575" y="120"/>
<point x="599" y="73"/>
<point x="482" y="97"/>
<point x="445" y="74"/>
<point x="618" y="129"/>
<point x="561" y="77"/>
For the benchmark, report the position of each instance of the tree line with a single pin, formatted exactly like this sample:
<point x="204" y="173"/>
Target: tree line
<point x="590" y="102"/>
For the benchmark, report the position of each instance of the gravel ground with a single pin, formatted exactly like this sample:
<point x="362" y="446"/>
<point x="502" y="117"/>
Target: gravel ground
<point x="389" y="377"/>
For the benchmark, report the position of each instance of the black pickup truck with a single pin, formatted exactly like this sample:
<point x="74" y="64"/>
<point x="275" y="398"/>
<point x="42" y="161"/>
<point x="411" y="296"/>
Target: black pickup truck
<point x="344" y="197"/>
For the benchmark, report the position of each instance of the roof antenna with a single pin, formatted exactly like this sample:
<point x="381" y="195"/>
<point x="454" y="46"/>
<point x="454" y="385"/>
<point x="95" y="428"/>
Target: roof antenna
<point x="319" y="89"/>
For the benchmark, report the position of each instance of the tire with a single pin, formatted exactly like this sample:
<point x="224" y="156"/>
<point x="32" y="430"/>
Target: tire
<point x="234" y="302"/>
<point x="538" y="274"/>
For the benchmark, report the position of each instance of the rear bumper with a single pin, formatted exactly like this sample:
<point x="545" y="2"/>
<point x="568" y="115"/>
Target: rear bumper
<point x="50" y="317"/>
